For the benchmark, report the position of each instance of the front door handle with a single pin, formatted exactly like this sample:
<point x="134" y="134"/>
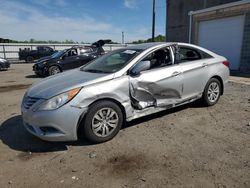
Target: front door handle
<point x="176" y="73"/>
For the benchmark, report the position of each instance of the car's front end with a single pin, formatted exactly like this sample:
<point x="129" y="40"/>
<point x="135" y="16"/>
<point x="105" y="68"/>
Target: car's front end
<point x="50" y="108"/>
<point x="41" y="67"/>
<point x="4" y="64"/>
<point x="53" y="119"/>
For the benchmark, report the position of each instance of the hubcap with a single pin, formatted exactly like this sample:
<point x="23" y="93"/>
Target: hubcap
<point x="213" y="92"/>
<point x="55" y="71"/>
<point x="104" y="122"/>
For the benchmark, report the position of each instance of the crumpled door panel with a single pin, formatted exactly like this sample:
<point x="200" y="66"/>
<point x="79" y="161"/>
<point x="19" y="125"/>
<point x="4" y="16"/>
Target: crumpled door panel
<point x="141" y="98"/>
<point x="157" y="89"/>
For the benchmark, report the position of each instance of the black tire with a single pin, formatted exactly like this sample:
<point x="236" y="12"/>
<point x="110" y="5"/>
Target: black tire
<point x="54" y="70"/>
<point x="87" y="129"/>
<point x="208" y="100"/>
<point x="30" y="59"/>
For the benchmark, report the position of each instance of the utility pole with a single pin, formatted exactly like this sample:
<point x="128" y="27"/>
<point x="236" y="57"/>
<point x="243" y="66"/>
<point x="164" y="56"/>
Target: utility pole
<point x="166" y="21"/>
<point x="122" y="37"/>
<point x="153" y="23"/>
<point x="204" y="4"/>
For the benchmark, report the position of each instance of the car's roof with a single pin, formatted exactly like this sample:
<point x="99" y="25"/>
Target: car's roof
<point x="145" y="46"/>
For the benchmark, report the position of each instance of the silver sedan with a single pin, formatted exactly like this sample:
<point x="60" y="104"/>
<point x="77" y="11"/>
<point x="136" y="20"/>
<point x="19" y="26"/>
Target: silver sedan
<point x="94" y="101"/>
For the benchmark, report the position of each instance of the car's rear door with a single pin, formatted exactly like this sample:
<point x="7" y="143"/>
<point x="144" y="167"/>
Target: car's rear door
<point x="86" y="55"/>
<point x="194" y="65"/>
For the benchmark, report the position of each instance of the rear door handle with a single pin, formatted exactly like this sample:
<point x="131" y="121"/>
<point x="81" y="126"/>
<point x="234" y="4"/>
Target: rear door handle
<point x="176" y="73"/>
<point x="204" y="65"/>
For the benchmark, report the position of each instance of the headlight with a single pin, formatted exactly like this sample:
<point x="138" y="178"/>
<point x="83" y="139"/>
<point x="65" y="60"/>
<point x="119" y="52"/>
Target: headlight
<point x="45" y="62"/>
<point x="59" y="100"/>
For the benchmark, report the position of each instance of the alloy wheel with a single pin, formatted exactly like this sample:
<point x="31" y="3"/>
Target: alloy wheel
<point x="213" y="92"/>
<point x="104" y="122"/>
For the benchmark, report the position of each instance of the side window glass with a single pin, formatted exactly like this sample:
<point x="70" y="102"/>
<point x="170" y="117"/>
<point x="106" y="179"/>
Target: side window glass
<point x="83" y="51"/>
<point x="188" y="54"/>
<point x="159" y="58"/>
<point x="204" y="55"/>
<point x="72" y="52"/>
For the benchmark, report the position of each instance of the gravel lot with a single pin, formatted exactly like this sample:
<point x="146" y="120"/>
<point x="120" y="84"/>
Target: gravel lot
<point x="189" y="146"/>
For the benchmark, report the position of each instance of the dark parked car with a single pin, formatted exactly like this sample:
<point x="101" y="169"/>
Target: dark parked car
<point x="68" y="59"/>
<point x="30" y="55"/>
<point x="4" y="64"/>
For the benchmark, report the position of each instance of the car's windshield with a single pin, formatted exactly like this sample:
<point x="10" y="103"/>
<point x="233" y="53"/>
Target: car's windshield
<point x="111" y="62"/>
<point x="58" y="54"/>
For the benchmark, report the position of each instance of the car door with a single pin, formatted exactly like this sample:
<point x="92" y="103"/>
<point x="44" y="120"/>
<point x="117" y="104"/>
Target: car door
<point x="70" y="59"/>
<point x="159" y="86"/>
<point x="86" y="55"/>
<point x="194" y="64"/>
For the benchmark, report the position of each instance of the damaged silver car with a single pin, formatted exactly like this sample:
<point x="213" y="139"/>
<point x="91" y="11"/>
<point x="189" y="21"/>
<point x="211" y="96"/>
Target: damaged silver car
<point x="95" y="100"/>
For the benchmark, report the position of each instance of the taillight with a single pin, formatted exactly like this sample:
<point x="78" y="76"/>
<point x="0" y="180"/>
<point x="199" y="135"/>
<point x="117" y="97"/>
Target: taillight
<point x="226" y="63"/>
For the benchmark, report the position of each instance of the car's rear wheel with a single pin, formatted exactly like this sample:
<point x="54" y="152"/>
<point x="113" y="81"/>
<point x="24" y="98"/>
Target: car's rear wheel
<point x="212" y="92"/>
<point x="102" y="122"/>
<point x="29" y="59"/>
<point x="54" y="70"/>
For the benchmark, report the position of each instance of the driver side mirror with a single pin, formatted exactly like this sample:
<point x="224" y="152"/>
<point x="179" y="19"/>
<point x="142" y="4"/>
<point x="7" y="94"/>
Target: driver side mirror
<point x="139" y="67"/>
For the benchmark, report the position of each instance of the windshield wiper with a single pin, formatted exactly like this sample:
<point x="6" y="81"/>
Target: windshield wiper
<point x="94" y="71"/>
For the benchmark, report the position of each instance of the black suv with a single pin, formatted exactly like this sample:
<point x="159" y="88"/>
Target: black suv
<point x="68" y="59"/>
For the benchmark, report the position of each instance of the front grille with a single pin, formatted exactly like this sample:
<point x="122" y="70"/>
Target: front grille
<point x="29" y="102"/>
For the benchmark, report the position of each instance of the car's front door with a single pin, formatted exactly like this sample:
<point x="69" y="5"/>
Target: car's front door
<point x="70" y="60"/>
<point x="160" y="86"/>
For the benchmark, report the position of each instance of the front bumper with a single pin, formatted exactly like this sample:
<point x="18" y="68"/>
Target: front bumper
<point x="41" y="71"/>
<point x="55" y="125"/>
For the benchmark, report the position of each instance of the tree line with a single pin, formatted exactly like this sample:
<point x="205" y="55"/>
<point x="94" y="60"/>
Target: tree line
<point x="159" y="38"/>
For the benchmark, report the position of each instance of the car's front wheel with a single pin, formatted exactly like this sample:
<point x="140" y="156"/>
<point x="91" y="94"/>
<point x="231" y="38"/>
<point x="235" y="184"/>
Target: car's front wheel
<point x="54" y="70"/>
<point x="102" y="122"/>
<point x="212" y="92"/>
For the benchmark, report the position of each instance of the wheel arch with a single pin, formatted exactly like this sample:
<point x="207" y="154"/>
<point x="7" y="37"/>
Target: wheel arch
<point x="55" y="65"/>
<point x="221" y="83"/>
<point x="82" y="117"/>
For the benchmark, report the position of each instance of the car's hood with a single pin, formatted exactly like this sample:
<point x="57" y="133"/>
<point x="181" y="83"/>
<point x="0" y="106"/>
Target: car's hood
<point x="44" y="59"/>
<point x="40" y="62"/>
<point x="54" y="85"/>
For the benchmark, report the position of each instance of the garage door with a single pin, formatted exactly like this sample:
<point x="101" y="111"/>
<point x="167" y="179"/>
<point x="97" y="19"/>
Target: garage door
<point x="223" y="36"/>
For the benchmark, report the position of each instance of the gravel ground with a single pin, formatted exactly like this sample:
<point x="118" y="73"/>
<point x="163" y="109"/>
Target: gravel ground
<point x="189" y="146"/>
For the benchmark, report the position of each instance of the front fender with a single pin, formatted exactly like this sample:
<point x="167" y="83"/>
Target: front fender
<point x="116" y="89"/>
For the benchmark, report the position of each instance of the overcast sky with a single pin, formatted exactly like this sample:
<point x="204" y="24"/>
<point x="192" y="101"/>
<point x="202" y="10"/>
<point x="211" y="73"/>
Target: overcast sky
<point x="80" y="20"/>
